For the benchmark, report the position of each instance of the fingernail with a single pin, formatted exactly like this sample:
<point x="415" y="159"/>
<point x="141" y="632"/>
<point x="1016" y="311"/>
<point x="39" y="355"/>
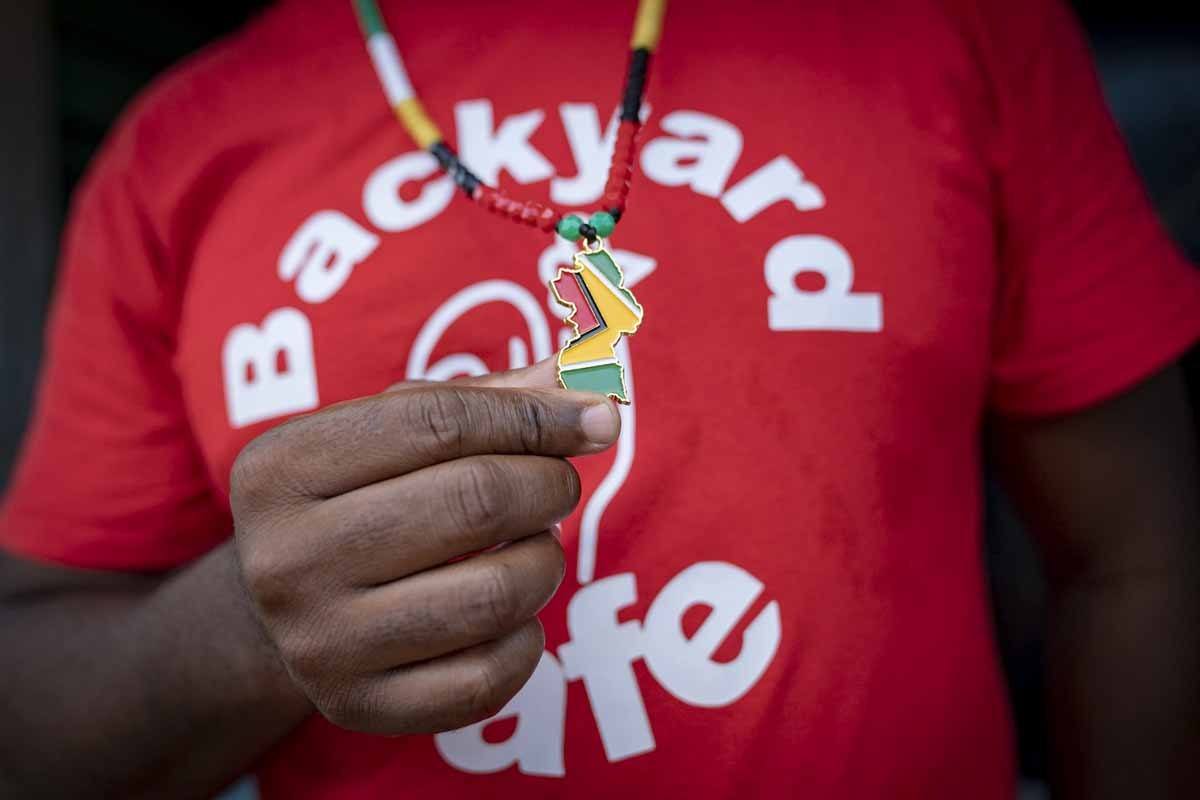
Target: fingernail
<point x="600" y="423"/>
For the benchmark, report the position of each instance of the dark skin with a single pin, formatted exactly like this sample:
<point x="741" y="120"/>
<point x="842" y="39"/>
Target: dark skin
<point x="133" y="686"/>
<point x="1111" y="496"/>
<point x="335" y="595"/>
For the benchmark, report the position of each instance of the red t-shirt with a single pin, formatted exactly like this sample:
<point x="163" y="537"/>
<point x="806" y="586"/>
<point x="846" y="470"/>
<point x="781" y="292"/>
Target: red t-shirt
<point x="856" y="229"/>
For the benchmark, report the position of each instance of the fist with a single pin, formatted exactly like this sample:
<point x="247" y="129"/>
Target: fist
<point x="399" y="547"/>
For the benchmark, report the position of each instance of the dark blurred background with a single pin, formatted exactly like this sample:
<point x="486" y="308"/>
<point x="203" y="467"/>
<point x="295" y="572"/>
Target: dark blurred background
<point x="72" y="65"/>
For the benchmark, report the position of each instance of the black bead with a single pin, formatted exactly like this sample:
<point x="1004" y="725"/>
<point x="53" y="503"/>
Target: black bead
<point x="635" y="84"/>
<point x="458" y="172"/>
<point x="588" y="232"/>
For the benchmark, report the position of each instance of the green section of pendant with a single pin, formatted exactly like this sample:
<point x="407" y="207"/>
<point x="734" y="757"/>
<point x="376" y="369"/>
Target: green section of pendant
<point x="603" y="379"/>
<point x="604" y="264"/>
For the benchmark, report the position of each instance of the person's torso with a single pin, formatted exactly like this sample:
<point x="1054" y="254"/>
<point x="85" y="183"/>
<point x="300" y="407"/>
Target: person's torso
<point x="773" y="581"/>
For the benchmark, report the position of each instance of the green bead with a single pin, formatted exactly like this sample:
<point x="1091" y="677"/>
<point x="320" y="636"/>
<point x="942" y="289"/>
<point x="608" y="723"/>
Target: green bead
<point x="568" y="227"/>
<point x="603" y="222"/>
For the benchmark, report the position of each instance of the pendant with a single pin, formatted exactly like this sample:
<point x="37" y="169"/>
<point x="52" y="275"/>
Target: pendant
<point x="602" y="311"/>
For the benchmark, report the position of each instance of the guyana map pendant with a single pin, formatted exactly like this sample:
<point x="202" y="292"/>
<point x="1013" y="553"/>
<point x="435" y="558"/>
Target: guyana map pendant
<point x="602" y="311"/>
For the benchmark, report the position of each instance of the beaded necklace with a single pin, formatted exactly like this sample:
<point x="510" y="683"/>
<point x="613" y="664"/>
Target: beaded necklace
<point x="601" y="308"/>
<point x="408" y="109"/>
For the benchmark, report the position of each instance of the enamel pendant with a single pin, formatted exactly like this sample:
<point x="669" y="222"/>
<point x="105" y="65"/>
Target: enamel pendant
<point x="602" y="311"/>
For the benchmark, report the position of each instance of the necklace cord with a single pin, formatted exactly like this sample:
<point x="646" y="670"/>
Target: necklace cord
<point x="407" y="107"/>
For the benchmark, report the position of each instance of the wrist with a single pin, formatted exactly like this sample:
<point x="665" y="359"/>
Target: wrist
<point x="224" y="621"/>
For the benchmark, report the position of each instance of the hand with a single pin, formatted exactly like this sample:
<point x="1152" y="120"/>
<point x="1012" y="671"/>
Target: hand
<point x="352" y="524"/>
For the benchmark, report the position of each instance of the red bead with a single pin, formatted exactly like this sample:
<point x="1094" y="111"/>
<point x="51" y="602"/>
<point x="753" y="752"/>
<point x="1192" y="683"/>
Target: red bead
<point x="485" y="196"/>
<point x="531" y="212"/>
<point x="548" y="219"/>
<point x="618" y="186"/>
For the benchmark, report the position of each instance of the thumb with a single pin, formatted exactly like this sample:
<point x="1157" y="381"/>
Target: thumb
<point x="542" y="375"/>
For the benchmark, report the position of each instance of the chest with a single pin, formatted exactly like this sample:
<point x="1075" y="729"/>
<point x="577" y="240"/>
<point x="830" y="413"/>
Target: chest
<point x="809" y="230"/>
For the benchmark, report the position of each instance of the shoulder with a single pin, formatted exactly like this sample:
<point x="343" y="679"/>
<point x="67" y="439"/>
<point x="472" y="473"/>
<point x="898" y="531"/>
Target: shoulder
<point x="186" y="139"/>
<point x="253" y="84"/>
